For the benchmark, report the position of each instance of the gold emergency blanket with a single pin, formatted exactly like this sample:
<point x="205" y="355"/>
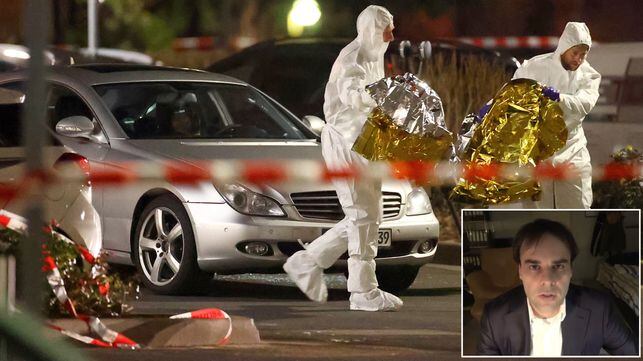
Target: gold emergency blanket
<point x="381" y="139"/>
<point x="522" y="128"/>
<point x="407" y="124"/>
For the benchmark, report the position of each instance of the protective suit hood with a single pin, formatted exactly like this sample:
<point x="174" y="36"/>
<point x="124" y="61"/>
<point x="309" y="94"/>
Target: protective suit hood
<point x="371" y="23"/>
<point x="574" y="34"/>
<point x="361" y="62"/>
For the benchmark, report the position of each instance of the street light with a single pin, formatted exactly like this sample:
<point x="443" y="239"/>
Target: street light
<point x="303" y="13"/>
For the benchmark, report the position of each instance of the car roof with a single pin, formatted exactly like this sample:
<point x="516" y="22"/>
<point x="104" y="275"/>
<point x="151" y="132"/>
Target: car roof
<point x="266" y="47"/>
<point x="313" y="41"/>
<point x="300" y="41"/>
<point x="108" y="73"/>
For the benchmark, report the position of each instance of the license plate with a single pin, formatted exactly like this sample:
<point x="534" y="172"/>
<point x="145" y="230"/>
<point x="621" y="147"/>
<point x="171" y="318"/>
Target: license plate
<point x="384" y="237"/>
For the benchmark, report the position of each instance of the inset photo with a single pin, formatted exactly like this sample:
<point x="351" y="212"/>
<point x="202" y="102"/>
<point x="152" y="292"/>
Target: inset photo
<point x="551" y="283"/>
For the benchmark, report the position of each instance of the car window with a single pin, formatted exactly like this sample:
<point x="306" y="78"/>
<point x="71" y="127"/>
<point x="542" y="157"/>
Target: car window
<point x="63" y="103"/>
<point x="7" y="66"/>
<point x="191" y="110"/>
<point x="12" y="93"/>
<point x="299" y="88"/>
<point x="161" y="110"/>
<point x="10" y="125"/>
<point x="12" y="97"/>
<point x="252" y="115"/>
<point x="241" y="65"/>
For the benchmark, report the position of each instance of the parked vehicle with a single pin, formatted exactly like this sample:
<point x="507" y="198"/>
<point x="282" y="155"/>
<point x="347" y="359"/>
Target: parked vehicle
<point x="295" y="71"/>
<point x="178" y="235"/>
<point x="69" y="203"/>
<point x="15" y="57"/>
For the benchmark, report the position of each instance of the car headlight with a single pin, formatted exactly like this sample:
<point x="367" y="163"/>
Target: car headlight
<point x="246" y="201"/>
<point x="418" y="202"/>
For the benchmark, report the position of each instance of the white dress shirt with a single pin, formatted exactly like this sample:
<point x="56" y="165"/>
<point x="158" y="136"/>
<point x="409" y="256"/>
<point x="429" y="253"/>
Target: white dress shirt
<point x="546" y="333"/>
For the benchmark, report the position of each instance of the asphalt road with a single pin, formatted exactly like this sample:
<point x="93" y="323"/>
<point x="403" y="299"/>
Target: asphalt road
<point x="293" y="328"/>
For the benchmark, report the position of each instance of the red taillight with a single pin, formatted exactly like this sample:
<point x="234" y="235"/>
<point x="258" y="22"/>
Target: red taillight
<point x="73" y="158"/>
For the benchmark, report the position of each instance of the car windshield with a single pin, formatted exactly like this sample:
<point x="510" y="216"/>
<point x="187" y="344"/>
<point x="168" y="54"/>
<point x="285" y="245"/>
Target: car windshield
<point x="173" y="110"/>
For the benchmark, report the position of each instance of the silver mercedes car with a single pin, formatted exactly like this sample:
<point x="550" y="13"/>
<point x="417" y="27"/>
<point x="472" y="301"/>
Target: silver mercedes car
<point x="178" y="235"/>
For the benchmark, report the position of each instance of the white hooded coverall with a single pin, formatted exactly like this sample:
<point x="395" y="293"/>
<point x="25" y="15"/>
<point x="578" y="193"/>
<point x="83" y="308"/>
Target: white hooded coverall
<point x="578" y="95"/>
<point x="346" y="107"/>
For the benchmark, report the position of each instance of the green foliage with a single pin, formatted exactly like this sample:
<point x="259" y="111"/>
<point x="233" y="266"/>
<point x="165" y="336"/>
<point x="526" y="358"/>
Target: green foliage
<point x="9" y="241"/>
<point x="209" y="17"/>
<point x="93" y="290"/>
<point x="128" y="24"/>
<point x="152" y="25"/>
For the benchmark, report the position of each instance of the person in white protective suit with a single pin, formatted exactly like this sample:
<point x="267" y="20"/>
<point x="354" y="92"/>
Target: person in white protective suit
<point x="573" y="83"/>
<point x="346" y="107"/>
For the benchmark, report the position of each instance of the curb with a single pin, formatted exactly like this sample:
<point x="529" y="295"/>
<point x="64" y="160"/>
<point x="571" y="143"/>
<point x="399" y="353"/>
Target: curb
<point x="157" y="332"/>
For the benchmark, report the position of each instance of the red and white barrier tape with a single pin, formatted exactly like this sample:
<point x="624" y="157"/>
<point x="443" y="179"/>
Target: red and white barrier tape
<point x="532" y="42"/>
<point x="196" y="43"/>
<point x="512" y="42"/>
<point x="193" y="43"/>
<point x="12" y="221"/>
<point x="443" y="173"/>
<point x="108" y="337"/>
<point x="209" y="314"/>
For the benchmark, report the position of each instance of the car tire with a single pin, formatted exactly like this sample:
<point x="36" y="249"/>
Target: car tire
<point x="396" y="278"/>
<point x="166" y="257"/>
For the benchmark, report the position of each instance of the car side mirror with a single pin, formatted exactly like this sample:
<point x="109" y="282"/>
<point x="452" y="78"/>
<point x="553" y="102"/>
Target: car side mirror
<point x="76" y="126"/>
<point x="314" y="123"/>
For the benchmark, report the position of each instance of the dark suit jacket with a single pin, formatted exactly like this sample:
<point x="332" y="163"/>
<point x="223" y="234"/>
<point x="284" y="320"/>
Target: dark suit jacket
<point x="591" y="322"/>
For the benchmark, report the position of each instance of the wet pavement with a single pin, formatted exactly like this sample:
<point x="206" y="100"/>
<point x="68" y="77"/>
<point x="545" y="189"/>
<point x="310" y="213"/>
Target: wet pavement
<point x="293" y="328"/>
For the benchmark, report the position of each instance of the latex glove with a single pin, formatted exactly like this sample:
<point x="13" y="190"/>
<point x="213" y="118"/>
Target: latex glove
<point x="482" y="112"/>
<point x="551" y="93"/>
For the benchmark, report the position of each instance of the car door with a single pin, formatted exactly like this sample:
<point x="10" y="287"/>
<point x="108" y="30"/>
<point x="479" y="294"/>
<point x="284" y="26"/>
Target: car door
<point x="63" y="102"/>
<point x="11" y="153"/>
<point x="12" y="156"/>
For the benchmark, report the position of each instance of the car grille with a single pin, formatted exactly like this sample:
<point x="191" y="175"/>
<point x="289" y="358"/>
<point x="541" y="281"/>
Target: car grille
<point x="325" y="205"/>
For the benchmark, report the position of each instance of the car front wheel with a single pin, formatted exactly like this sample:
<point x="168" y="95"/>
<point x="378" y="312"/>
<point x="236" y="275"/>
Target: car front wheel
<point x="165" y="249"/>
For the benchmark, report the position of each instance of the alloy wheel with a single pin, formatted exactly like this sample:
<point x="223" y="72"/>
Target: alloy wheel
<point x="161" y="246"/>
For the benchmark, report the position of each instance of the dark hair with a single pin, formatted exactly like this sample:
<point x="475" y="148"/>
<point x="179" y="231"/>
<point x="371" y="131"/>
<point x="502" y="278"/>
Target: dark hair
<point x="531" y="233"/>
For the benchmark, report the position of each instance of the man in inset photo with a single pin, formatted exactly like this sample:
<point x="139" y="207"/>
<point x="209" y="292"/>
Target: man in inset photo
<point x="547" y="316"/>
